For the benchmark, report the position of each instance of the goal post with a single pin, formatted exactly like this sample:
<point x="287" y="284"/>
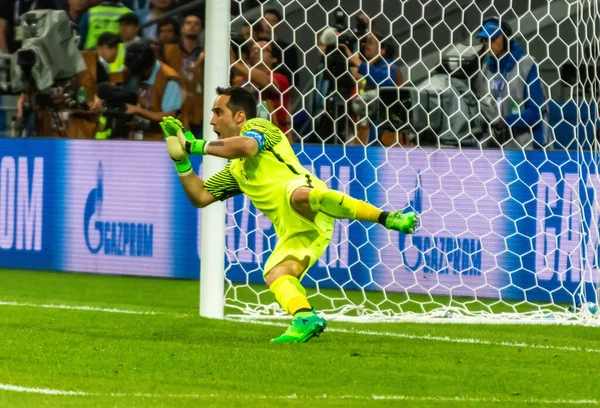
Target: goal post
<point x="212" y="265"/>
<point x="509" y="232"/>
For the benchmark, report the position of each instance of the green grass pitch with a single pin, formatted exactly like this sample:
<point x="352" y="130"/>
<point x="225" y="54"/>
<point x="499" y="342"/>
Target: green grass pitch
<point x="164" y="355"/>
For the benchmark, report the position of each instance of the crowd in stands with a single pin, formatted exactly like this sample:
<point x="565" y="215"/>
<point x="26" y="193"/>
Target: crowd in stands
<point x="163" y="64"/>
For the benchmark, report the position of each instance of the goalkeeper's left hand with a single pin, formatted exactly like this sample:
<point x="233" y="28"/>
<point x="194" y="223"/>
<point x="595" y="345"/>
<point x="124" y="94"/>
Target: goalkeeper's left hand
<point x="185" y="137"/>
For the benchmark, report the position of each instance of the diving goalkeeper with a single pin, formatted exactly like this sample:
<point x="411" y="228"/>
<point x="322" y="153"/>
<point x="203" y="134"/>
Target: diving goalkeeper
<point x="263" y="166"/>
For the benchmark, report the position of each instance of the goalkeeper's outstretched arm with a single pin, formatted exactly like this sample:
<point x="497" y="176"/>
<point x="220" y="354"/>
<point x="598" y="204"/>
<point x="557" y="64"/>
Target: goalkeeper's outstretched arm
<point x="194" y="188"/>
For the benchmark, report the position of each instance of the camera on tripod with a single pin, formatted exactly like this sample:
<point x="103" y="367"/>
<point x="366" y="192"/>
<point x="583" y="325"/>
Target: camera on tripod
<point x="115" y="100"/>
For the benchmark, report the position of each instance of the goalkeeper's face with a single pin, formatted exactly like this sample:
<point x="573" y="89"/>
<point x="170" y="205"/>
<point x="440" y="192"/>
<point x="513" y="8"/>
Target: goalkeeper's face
<point x="225" y="123"/>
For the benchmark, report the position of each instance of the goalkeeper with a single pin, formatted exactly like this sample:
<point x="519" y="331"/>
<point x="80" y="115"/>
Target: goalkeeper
<point x="263" y="166"/>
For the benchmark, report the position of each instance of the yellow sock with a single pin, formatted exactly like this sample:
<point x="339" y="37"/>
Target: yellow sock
<point x="290" y="294"/>
<point x="341" y="205"/>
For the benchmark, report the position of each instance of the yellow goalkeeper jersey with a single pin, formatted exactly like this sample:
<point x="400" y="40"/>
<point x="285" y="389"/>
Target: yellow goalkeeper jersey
<point x="264" y="176"/>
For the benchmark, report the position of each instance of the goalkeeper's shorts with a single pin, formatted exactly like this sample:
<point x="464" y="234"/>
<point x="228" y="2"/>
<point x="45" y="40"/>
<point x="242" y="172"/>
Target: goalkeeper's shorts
<point x="299" y="238"/>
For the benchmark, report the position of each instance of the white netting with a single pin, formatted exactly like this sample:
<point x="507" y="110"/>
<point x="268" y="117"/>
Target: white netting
<point x="504" y="172"/>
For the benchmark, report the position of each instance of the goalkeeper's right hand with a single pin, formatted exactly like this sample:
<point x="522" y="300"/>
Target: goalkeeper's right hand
<point x="177" y="153"/>
<point x="186" y="138"/>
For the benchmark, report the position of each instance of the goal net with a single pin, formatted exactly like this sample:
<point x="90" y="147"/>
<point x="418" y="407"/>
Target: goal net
<point x="502" y="168"/>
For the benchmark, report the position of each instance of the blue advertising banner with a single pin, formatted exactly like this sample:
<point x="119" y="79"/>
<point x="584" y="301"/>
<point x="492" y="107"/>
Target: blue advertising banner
<point x="513" y="225"/>
<point x="32" y="227"/>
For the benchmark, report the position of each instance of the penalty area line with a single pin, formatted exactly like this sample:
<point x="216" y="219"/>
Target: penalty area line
<point x="71" y="393"/>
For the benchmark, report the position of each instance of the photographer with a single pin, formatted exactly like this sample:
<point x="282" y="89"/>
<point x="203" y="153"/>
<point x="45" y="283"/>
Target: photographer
<point x="376" y="70"/>
<point x="158" y="87"/>
<point x="335" y="84"/>
<point x="512" y="79"/>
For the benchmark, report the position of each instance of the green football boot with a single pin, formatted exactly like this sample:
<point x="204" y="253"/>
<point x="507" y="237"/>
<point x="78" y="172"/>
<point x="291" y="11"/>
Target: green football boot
<point x="406" y="223"/>
<point x="304" y="327"/>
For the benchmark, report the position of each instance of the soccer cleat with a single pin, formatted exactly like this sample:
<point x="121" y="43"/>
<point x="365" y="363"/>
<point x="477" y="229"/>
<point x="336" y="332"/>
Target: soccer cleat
<point x="406" y="223"/>
<point x="302" y="329"/>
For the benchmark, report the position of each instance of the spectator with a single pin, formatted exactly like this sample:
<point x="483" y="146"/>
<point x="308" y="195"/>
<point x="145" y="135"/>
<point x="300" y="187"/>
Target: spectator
<point x="511" y="77"/>
<point x="75" y="9"/>
<point x="187" y="60"/>
<point x="99" y="19"/>
<point x="129" y="32"/>
<point x="379" y="70"/>
<point x="273" y="87"/>
<point x="129" y="28"/>
<point x="168" y="31"/>
<point x="10" y="11"/>
<point x="289" y="63"/>
<point x="159" y="87"/>
<point x="158" y="8"/>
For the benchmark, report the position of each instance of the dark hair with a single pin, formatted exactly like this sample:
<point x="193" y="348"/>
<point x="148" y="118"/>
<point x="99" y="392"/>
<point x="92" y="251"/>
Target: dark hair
<point x="275" y="49"/>
<point x="193" y="13"/>
<point x="129" y="18"/>
<point x="166" y="22"/>
<point x="275" y="12"/>
<point x="240" y="99"/>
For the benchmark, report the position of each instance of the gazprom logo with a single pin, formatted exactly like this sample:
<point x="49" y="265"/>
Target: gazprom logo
<point x="439" y="254"/>
<point x="113" y="237"/>
<point x="21" y="203"/>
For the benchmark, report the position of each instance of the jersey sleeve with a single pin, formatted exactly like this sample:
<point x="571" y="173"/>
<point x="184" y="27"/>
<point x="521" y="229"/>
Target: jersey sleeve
<point x="223" y="185"/>
<point x="264" y="132"/>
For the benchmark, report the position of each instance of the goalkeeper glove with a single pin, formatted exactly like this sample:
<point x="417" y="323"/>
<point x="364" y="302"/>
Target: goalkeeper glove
<point x="177" y="153"/>
<point x="185" y="137"/>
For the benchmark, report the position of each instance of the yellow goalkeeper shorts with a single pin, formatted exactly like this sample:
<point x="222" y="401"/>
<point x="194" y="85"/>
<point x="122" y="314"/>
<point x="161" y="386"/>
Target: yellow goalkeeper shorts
<point x="299" y="238"/>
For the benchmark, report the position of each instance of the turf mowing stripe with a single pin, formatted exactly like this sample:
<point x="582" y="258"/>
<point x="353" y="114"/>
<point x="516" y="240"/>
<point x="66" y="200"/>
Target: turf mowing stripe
<point x="426" y="337"/>
<point x="49" y="391"/>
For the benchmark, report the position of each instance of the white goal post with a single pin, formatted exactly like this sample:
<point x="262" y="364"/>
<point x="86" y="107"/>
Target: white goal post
<point x="509" y="231"/>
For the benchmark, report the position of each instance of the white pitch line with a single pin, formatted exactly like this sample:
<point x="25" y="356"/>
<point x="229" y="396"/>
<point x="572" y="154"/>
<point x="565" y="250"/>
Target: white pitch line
<point x="426" y="337"/>
<point x="47" y="391"/>
<point x="446" y="339"/>
<point x="88" y="308"/>
<point x="50" y="391"/>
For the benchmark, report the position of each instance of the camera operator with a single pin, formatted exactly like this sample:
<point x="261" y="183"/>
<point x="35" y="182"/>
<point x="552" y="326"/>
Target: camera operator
<point x="376" y="70"/>
<point x="511" y="77"/>
<point x="187" y="59"/>
<point x="158" y="87"/>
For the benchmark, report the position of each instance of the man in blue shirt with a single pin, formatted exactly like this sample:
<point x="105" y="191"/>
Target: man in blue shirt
<point x="512" y="78"/>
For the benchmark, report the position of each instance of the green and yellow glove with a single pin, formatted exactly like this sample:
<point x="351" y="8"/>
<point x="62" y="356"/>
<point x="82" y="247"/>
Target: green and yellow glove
<point x="177" y="153"/>
<point x="185" y="137"/>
